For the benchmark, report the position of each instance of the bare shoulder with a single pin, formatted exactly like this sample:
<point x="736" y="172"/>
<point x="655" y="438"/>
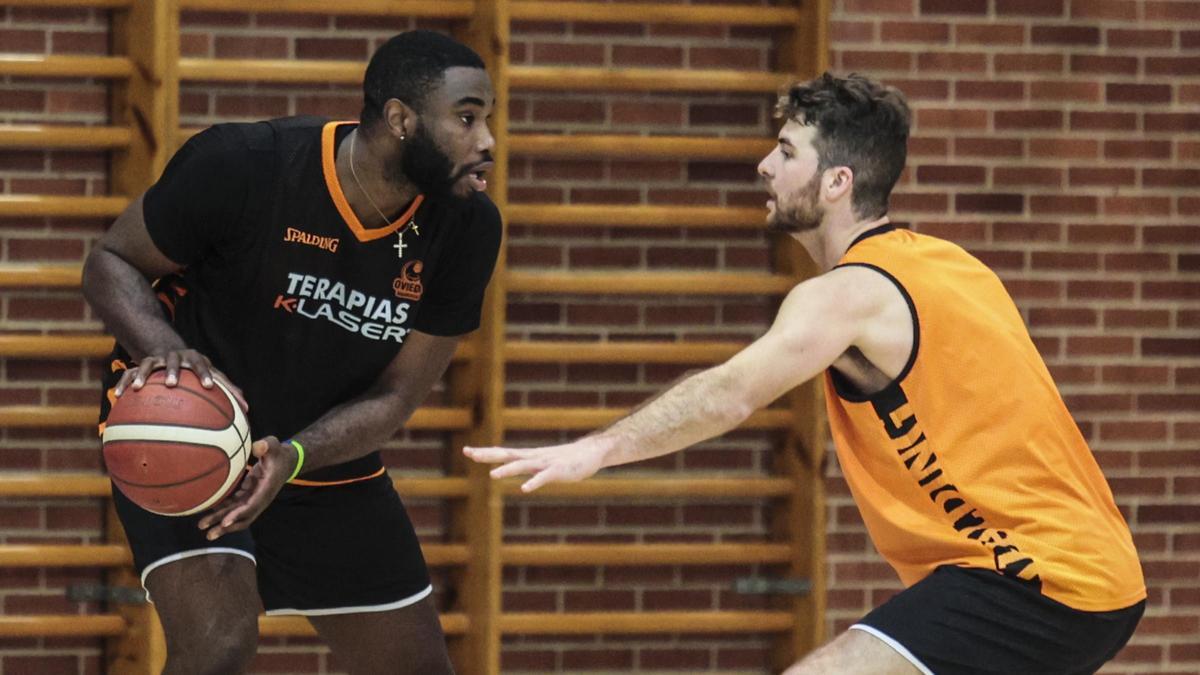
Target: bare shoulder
<point x="883" y="317"/>
<point x="853" y="292"/>
<point x="129" y="239"/>
<point x="818" y="322"/>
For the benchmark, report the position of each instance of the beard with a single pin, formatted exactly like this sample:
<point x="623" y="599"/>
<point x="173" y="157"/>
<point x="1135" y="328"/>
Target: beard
<point x="801" y="212"/>
<point x="427" y="166"/>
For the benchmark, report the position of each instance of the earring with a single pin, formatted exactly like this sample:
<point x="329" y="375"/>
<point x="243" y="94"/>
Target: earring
<point x="401" y="136"/>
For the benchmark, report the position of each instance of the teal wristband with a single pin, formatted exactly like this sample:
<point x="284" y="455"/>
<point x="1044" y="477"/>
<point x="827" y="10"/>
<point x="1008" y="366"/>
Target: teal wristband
<point x="299" y="458"/>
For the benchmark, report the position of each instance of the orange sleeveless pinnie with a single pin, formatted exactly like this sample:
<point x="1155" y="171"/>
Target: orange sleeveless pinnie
<point x="970" y="457"/>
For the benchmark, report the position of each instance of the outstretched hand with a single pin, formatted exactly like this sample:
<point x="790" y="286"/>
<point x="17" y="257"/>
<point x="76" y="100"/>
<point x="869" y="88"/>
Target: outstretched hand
<point x="262" y="482"/>
<point x="568" y="463"/>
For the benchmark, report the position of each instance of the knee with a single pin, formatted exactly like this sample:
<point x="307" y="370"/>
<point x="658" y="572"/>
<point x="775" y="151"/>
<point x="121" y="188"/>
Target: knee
<point x="217" y="650"/>
<point x="235" y="652"/>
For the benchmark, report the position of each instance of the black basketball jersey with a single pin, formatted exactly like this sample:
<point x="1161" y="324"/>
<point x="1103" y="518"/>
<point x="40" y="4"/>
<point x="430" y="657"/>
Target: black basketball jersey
<point x="299" y="303"/>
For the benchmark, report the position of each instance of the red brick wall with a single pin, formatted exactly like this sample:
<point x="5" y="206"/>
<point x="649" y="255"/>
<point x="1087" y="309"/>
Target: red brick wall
<point x="72" y="381"/>
<point x="1055" y="139"/>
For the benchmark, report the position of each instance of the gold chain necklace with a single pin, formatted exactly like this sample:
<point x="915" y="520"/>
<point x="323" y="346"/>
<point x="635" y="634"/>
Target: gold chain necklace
<point x="399" y="245"/>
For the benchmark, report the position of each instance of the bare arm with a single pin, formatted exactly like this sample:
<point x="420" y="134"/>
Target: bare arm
<point x="797" y="347"/>
<point x="345" y="432"/>
<point x="351" y="429"/>
<point x="116" y="283"/>
<point x="817" y="322"/>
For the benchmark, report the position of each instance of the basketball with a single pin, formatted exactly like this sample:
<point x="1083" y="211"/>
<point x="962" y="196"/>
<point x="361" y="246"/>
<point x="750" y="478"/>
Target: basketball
<point x="176" y="450"/>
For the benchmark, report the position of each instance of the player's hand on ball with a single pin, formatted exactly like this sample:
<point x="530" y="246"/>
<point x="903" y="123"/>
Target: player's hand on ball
<point x="172" y="361"/>
<point x="568" y="463"/>
<point x="262" y="482"/>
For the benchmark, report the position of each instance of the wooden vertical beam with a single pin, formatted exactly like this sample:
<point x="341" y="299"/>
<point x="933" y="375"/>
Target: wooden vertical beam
<point x="806" y="52"/>
<point x="149" y="101"/>
<point x="801" y="520"/>
<point x="482" y="520"/>
<point x="148" y="32"/>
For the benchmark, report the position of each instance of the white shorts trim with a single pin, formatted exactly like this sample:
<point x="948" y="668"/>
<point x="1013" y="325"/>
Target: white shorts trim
<point x="900" y="649"/>
<point x="190" y="554"/>
<point x="328" y="611"/>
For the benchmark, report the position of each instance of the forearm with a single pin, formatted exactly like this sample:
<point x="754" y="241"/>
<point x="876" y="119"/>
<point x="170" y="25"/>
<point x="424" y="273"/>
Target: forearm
<point x="355" y="428"/>
<point x="124" y="300"/>
<point x="359" y="426"/>
<point x="700" y="407"/>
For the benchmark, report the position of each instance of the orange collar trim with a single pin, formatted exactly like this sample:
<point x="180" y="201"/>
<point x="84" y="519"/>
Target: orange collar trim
<point x="329" y="165"/>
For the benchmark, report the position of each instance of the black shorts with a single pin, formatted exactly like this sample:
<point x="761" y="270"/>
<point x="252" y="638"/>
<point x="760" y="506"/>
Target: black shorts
<point x="335" y="549"/>
<point x="964" y="620"/>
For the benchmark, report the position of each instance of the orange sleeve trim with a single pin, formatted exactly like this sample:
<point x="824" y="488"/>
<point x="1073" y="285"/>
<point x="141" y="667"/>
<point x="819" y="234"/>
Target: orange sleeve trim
<point x="166" y="301"/>
<point x="329" y="167"/>
<point x="327" y="483"/>
<point x="111" y="394"/>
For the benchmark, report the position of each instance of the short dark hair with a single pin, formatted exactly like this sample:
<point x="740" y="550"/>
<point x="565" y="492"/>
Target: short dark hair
<point x="860" y="124"/>
<point x="407" y="67"/>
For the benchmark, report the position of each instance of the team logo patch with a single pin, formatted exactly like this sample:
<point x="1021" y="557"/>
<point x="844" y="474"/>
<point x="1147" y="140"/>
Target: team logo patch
<point x="408" y="284"/>
<point x="299" y="236"/>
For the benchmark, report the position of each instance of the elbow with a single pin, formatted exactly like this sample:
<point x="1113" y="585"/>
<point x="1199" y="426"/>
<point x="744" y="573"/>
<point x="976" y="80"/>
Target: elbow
<point x="96" y="275"/>
<point x="738" y="403"/>
<point x="87" y="281"/>
<point x="399" y="402"/>
<point x="99" y="278"/>
<point x="739" y="412"/>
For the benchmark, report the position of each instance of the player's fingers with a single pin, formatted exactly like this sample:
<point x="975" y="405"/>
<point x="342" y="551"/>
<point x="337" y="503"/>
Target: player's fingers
<point x="241" y="517"/>
<point x="493" y="455"/>
<point x="233" y="501"/>
<point x="234" y="523"/>
<point x="233" y="389"/>
<point x="172" y="369"/>
<point x="201" y="366"/>
<point x="519" y="467"/>
<point x="237" y="516"/>
<point x="547" y="475"/>
<point x="252" y="477"/>
<point x="241" y="494"/>
<point x="216" y="515"/>
<point x="212" y="518"/>
<point x="216" y="532"/>
<point x="126" y="378"/>
<point x="251" y="499"/>
<point x="144" y="368"/>
<point x="262" y="446"/>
